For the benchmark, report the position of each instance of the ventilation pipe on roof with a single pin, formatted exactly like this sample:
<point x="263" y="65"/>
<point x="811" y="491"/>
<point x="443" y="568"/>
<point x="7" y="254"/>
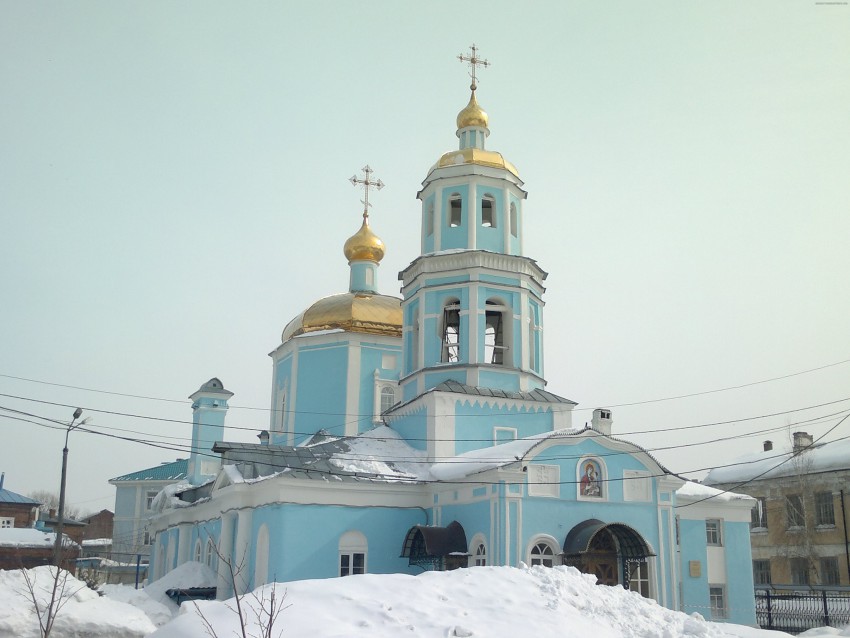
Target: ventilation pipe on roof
<point x="602" y="421"/>
<point x="802" y="440"/>
<point x="2" y="479"/>
<point x="768" y="446"/>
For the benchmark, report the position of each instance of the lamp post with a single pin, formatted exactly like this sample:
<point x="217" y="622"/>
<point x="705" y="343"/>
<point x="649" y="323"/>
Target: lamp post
<point x="57" y="548"/>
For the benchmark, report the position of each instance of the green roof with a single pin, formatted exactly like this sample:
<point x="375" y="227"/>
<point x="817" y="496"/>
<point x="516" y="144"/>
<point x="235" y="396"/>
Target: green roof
<point x="174" y="471"/>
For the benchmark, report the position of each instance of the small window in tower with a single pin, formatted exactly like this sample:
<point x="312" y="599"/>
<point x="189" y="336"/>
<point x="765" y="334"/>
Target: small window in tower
<point x="488" y="212"/>
<point x="454" y="210"/>
<point x="387" y="398"/>
<point x="494" y="336"/>
<point x="513" y="220"/>
<point x="451" y="333"/>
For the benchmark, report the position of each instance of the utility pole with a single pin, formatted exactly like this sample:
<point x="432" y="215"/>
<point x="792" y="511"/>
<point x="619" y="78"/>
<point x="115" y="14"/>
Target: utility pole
<point x="57" y="548"/>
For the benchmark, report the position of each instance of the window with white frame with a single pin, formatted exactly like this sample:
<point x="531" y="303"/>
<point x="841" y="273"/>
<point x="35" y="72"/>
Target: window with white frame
<point x="824" y="509"/>
<point x="149" y="497"/>
<point x="717" y="599"/>
<point x="714" y="531"/>
<point x="353" y="548"/>
<point x="542" y="553"/>
<point x="7" y="522"/>
<point x="198" y="551"/>
<point x="478" y="555"/>
<point x="210" y="553"/>
<point x="639" y="577"/>
<point x="387" y="398"/>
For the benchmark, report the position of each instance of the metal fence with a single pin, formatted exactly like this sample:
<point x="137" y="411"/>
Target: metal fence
<point x="795" y="609"/>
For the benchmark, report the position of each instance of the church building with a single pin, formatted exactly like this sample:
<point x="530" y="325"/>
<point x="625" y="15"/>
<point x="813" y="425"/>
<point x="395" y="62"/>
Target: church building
<point x="417" y="433"/>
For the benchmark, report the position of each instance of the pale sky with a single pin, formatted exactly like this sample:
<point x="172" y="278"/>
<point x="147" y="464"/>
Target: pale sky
<point x="173" y="190"/>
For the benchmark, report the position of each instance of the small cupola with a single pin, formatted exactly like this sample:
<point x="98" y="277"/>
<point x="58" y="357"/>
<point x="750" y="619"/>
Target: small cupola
<point x="364" y="250"/>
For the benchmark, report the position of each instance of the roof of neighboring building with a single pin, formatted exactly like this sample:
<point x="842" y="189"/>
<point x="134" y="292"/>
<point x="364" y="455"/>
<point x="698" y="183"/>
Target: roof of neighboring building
<point x="30" y="537"/>
<point x="174" y="471"/>
<point x="7" y="496"/>
<point x="820" y="457"/>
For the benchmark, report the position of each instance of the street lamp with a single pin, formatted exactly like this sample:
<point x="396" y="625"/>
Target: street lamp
<point x="57" y="548"/>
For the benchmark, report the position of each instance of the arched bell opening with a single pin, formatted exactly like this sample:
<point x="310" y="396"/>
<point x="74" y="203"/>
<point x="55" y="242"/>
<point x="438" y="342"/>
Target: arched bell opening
<point x="615" y="553"/>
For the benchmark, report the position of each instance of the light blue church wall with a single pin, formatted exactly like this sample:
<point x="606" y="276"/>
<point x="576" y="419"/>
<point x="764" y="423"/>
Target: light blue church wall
<point x="371" y="359"/>
<point x="475" y="423"/>
<point x="474" y="517"/>
<point x="320" y="368"/>
<point x="413" y="428"/>
<point x="297" y="555"/>
<point x="693" y="548"/>
<point x="739" y="573"/>
<point x="458" y="236"/>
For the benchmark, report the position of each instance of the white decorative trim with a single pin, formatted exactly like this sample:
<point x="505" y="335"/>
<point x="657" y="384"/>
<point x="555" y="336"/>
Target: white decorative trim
<point x="557" y="550"/>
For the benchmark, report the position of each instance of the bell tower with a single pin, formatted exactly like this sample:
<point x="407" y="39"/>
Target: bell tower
<point x="472" y="302"/>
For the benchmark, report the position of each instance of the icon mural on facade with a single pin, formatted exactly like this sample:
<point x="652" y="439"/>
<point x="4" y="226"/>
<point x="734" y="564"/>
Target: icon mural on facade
<point x="590" y="479"/>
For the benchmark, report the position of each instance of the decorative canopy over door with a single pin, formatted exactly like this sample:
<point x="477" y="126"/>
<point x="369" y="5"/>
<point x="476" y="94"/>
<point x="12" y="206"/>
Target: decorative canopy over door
<point x="436" y="547"/>
<point x="607" y="550"/>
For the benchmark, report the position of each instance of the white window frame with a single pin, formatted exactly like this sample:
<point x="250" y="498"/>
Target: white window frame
<point x="714" y="532"/>
<point x="535" y="554"/>
<point x="7" y="522"/>
<point x="478" y="551"/>
<point x="352" y="544"/>
<point x="717" y="593"/>
<point x="150" y="495"/>
<point x="198" y="553"/>
<point x="497" y="429"/>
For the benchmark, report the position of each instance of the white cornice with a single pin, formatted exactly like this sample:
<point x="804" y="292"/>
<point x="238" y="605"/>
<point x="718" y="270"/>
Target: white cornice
<point x="465" y="260"/>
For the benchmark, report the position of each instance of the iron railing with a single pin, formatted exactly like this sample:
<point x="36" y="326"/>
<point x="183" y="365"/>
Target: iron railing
<point x="797" y="608"/>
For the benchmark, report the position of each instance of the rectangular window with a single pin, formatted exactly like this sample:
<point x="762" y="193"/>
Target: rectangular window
<point x="761" y="572"/>
<point x="824" y="510"/>
<point x="454" y="212"/>
<point x="794" y="510"/>
<point x="639" y="578"/>
<point x="353" y="563"/>
<point x="714" y="531"/>
<point x="488" y="216"/>
<point x="149" y="497"/>
<point x="7" y="522"/>
<point x="717" y="598"/>
<point x="759" y="514"/>
<point x="799" y="571"/>
<point x="829" y="571"/>
<point x="146" y="538"/>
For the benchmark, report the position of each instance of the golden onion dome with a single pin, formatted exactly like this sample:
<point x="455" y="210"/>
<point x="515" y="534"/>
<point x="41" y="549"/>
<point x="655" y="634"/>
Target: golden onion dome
<point x="349" y="311"/>
<point x="472" y="114"/>
<point x="364" y="244"/>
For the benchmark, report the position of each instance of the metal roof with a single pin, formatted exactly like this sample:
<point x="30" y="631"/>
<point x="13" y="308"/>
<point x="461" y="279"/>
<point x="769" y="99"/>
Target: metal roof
<point x="174" y="471"/>
<point x="7" y="496"/>
<point x="537" y="396"/>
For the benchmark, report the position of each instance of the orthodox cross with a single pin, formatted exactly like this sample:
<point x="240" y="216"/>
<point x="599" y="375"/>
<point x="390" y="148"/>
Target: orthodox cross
<point x="473" y="61"/>
<point x="366" y="182"/>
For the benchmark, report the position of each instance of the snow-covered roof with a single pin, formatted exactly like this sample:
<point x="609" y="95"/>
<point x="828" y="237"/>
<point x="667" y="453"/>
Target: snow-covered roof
<point x="30" y="537"/>
<point x="693" y="491"/>
<point x="174" y="471"/>
<point x="821" y="457"/>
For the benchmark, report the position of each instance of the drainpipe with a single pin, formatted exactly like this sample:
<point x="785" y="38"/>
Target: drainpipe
<point x="846" y="544"/>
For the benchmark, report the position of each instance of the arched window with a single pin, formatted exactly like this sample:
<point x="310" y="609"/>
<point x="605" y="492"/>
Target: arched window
<point x="488" y="211"/>
<point x="478" y="552"/>
<point x="542" y="553"/>
<point x="261" y="561"/>
<point x="513" y="220"/>
<point x="209" y="559"/>
<point x="198" y="550"/>
<point x="387" y="398"/>
<point x="455" y="209"/>
<point x="495" y="342"/>
<point x="353" y="548"/>
<point x="451" y="332"/>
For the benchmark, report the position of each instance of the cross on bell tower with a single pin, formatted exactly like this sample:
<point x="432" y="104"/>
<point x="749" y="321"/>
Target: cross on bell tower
<point x="474" y="61"/>
<point x="366" y="182"/>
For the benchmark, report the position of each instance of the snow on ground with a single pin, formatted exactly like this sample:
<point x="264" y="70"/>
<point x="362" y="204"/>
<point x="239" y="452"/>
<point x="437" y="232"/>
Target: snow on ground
<point x="490" y="602"/>
<point x="83" y="613"/>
